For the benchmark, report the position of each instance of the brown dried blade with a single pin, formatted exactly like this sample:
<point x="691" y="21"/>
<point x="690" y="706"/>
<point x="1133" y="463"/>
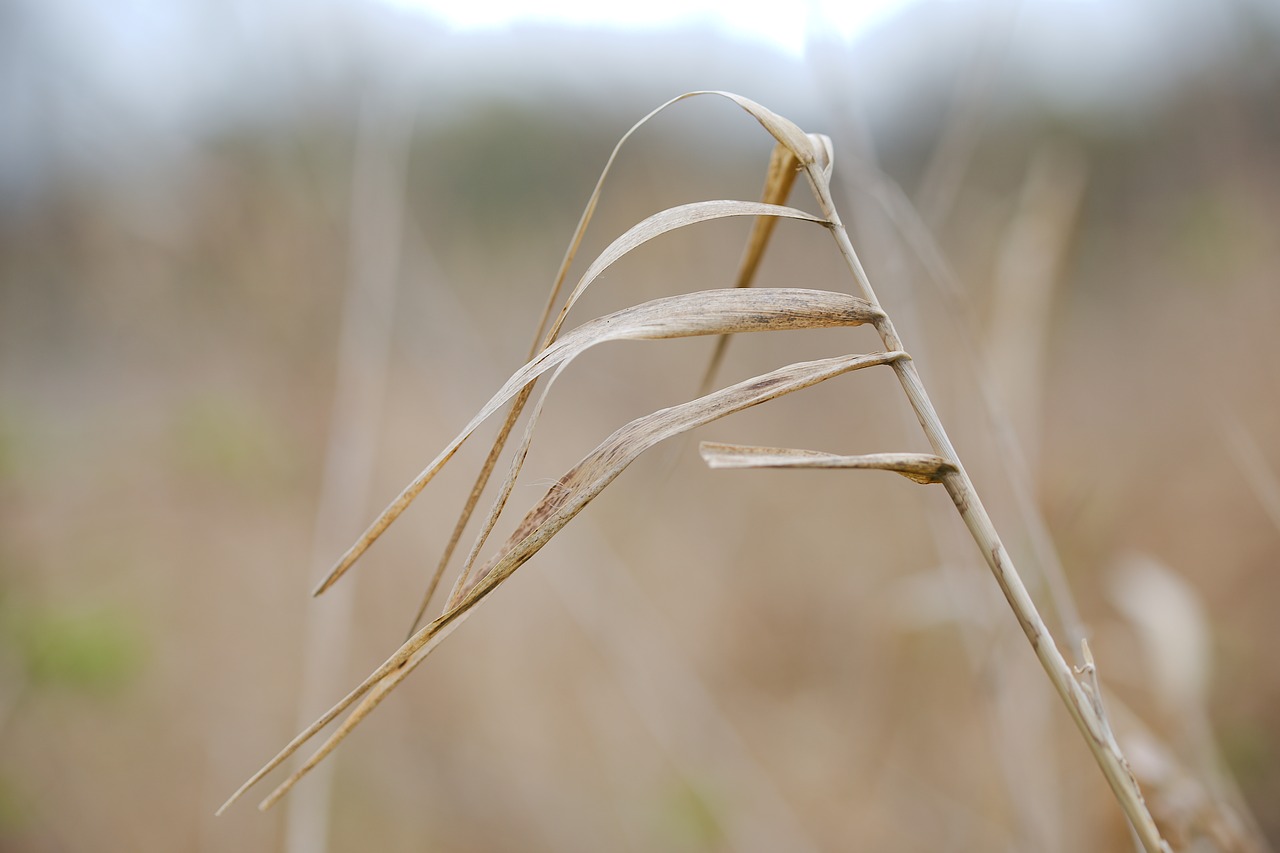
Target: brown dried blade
<point x="590" y="476"/>
<point x="639" y="234"/>
<point x="779" y="179"/>
<point x="709" y="312"/>
<point x="806" y="150"/>
<point x="920" y="467"/>
<point x="561" y="503"/>
<point x="730" y="310"/>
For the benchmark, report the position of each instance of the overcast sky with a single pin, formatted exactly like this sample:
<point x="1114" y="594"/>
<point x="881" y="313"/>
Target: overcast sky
<point x="101" y="86"/>
<point x="749" y="20"/>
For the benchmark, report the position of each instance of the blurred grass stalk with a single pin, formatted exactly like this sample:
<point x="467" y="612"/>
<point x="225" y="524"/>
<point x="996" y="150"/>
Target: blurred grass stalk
<point x="376" y="225"/>
<point x="708" y="313"/>
<point x="1194" y="796"/>
<point x="623" y="621"/>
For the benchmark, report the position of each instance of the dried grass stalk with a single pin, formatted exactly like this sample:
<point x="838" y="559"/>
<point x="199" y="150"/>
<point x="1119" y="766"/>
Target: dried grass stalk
<point x="1084" y="710"/>
<point x="812" y="154"/>
<point x="711" y="312"/>
<point x="781" y="176"/>
<point x="561" y="503"/>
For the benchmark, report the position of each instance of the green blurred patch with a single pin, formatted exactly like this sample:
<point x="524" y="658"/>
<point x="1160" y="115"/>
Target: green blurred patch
<point x="1250" y="753"/>
<point x="1215" y="238"/>
<point x="98" y="650"/>
<point x="8" y="451"/>
<point x="688" y="820"/>
<point x="13" y="444"/>
<point x="228" y="439"/>
<point x="493" y="166"/>
<point x="15" y="810"/>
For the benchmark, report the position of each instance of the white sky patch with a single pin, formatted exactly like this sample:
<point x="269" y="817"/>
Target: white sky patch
<point x="748" y="20"/>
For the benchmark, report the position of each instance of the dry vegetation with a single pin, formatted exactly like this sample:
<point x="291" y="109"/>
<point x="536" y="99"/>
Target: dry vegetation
<point x="702" y="659"/>
<point x="723" y="313"/>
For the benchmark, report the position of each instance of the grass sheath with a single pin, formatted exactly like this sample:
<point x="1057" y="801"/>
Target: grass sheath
<point x="723" y="313"/>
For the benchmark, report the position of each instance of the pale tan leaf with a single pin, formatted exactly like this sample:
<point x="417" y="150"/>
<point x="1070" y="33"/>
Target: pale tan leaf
<point x="559" y="506"/>
<point x="779" y="179"/>
<point x="669" y="220"/>
<point x="517" y="462"/>
<point x="782" y="129"/>
<point x="654" y="226"/>
<point x="710" y="312"/>
<point x="805" y="150"/>
<point x="920" y="467"/>
<point x="824" y="151"/>
<point x="576" y="488"/>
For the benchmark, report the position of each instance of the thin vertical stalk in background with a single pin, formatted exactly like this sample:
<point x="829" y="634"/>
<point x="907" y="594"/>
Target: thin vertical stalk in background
<point x="944" y="175"/>
<point x="364" y="343"/>
<point x="1027" y="270"/>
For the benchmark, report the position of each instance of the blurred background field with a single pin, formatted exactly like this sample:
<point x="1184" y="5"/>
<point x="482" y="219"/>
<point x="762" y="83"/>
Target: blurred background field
<point x="702" y="660"/>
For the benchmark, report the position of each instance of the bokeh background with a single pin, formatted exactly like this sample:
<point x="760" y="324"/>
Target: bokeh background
<point x="260" y="261"/>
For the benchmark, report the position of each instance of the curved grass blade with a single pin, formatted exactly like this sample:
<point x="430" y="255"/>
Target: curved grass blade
<point x="559" y="506"/>
<point x="669" y="220"/>
<point x="779" y="179"/>
<point x="589" y="477"/>
<point x="704" y="313"/>
<point x="504" y="494"/>
<point x="641" y="233"/>
<point x="804" y="148"/>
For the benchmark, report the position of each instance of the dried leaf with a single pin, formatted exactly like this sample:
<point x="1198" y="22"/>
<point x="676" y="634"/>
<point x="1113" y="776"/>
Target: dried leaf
<point x="804" y="149"/>
<point x="654" y="226"/>
<point x="669" y="220"/>
<point x="920" y="467"/>
<point x="824" y="151"/>
<point x="782" y="129"/>
<point x="773" y="303"/>
<point x="561" y="503"/>
<point x="710" y="312"/>
<point x="779" y="179"/>
<point x="576" y="488"/>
